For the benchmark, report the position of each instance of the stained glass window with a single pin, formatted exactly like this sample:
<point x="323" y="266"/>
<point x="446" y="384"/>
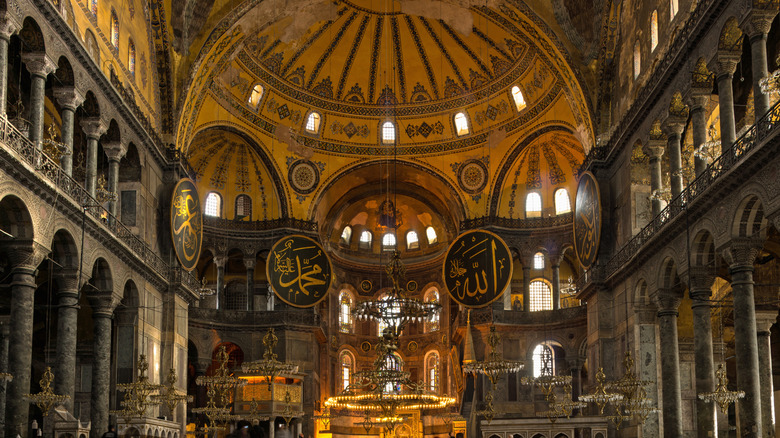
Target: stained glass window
<point x="345" y="312"/>
<point x="114" y="30"/>
<point x="93" y="7"/>
<point x="653" y="30"/>
<point x="131" y="57"/>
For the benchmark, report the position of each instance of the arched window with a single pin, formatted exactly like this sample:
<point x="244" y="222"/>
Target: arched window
<point x="347" y="362"/>
<point x="533" y="205"/>
<point x="517" y="95"/>
<point x="411" y="240"/>
<point x="313" y="123"/>
<point x="388" y="242"/>
<point x="114" y="30"/>
<point x="393" y="363"/>
<point x="430" y="233"/>
<point x="544" y="361"/>
<point x="432" y="370"/>
<point x="653" y="30"/>
<point x="131" y="57"/>
<point x="365" y="239"/>
<point x="256" y="95"/>
<point x="538" y="260"/>
<point x="346" y="235"/>
<point x="674" y="7"/>
<point x="388" y="133"/>
<point x="562" y="203"/>
<point x="213" y="205"/>
<point x="637" y="60"/>
<point x="461" y="124"/>
<point x="345" y="312"/>
<point x="93" y="7"/>
<point x="432" y="324"/>
<point x="243" y="207"/>
<point x="541" y="296"/>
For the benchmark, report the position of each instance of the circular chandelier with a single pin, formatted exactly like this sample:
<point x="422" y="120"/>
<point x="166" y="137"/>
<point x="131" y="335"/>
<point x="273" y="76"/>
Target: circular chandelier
<point x="722" y="396"/>
<point x="139" y="395"/>
<point x="269" y="366"/>
<point x="600" y="396"/>
<point x="46" y="399"/>
<point x="494" y="366"/>
<point x="220" y="387"/>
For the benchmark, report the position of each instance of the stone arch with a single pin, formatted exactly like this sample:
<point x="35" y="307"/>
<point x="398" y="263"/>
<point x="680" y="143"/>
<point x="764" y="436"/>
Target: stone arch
<point x="703" y="249"/>
<point x="64" y="250"/>
<point x="130" y="165"/>
<point x="15" y="220"/>
<point x="641" y="296"/>
<point x="730" y="39"/>
<point x="91" y="106"/>
<point x="32" y="37"/>
<point x="101" y="275"/>
<point x="64" y="72"/>
<point x="667" y="276"/>
<point x="749" y="219"/>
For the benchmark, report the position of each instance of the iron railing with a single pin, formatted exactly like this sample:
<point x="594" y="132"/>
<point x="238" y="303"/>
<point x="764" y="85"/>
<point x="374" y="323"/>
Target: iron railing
<point x="266" y="225"/>
<point x="561" y="220"/>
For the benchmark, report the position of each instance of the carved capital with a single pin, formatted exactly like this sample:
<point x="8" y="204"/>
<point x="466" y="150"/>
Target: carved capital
<point x="655" y="149"/>
<point x="701" y="279"/>
<point x="674" y="126"/>
<point x="741" y="252"/>
<point x="25" y="254"/>
<point x="93" y="127"/>
<point x="114" y="150"/>
<point x="67" y="280"/>
<point x="220" y="260"/>
<point x="699" y="98"/>
<point x="103" y="303"/>
<point x="726" y="63"/>
<point x="68" y="97"/>
<point x="668" y="302"/>
<point x="38" y="64"/>
<point x="8" y="27"/>
<point x="250" y="263"/>
<point x="758" y="22"/>
<point x="764" y="320"/>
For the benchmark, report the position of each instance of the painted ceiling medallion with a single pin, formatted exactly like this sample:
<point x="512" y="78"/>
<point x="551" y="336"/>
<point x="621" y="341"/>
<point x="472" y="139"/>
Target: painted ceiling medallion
<point x="303" y="176"/>
<point x="472" y="176"/>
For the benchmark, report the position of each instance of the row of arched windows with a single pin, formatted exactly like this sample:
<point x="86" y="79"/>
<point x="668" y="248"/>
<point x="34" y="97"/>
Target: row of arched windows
<point x="396" y="363"/>
<point x="673" y="9"/>
<point x="388" y="130"/>
<point x="114" y="34"/>
<point x="388" y="239"/>
<point x="347" y="303"/>
<point x="533" y="203"/>
<point x="213" y="206"/>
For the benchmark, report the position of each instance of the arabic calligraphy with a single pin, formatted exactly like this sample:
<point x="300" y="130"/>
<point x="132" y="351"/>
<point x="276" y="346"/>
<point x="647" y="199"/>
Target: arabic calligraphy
<point x="477" y="268"/>
<point x="299" y="271"/>
<point x="186" y="223"/>
<point x="587" y="219"/>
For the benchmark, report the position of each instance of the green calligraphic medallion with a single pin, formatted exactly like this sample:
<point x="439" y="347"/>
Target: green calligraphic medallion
<point x="299" y="271"/>
<point x="587" y="220"/>
<point x="477" y="268"/>
<point x="186" y="223"/>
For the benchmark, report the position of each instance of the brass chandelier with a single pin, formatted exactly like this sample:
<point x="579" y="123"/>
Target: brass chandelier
<point x="600" y="396"/>
<point x="722" y="396"/>
<point x="220" y="387"/>
<point x="46" y="399"/>
<point x="634" y="401"/>
<point x="139" y="395"/>
<point x="269" y="366"/>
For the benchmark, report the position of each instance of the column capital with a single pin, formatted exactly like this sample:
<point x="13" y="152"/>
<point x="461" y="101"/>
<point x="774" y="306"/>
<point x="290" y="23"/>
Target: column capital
<point x="250" y="263"/>
<point x="758" y="22"/>
<point x="220" y="260"/>
<point x="655" y="149"/>
<point x="701" y="279"/>
<point x="68" y="97"/>
<point x="699" y="98"/>
<point x="38" y="64"/>
<point x="741" y="252"/>
<point x="114" y="150"/>
<point x="8" y="27"/>
<point x="673" y="126"/>
<point x="25" y="253"/>
<point x="668" y="302"/>
<point x="93" y="127"/>
<point x="764" y="320"/>
<point x="726" y="63"/>
<point x="103" y="303"/>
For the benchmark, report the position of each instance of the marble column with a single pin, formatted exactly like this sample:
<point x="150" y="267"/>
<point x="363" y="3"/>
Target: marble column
<point x="39" y="66"/>
<point x="114" y="150"/>
<point x="93" y="128"/>
<point x="7" y="28"/>
<point x="757" y="28"/>
<point x="67" y="316"/>
<point x="740" y="255"/>
<point x="527" y="286"/>
<point x="271" y="427"/>
<point x="701" y="280"/>
<point x="699" y="100"/>
<point x="250" y="282"/>
<point x="69" y="99"/>
<point x="556" y="285"/>
<point x="727" y="65"/>
<point x="655" y="151"/>
<point x="4" y="334"/>
<point x="674" y="129"/>
<point x="24" y="262"/>
<point x="101" y="370"/>
<point x="668" y="303"/>
<point x="219" y="262"/>
<point x="764" y="321"/>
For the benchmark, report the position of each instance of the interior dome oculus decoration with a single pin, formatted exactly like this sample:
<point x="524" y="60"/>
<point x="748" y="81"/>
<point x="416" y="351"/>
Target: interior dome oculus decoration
<point x="299" y="271"/>
<point x="587" y="219"/>
<point x="472" y="176"/>
<point x="186" y="223"/>
<point x="477" y="268"/>
<point x="303" y="176"/>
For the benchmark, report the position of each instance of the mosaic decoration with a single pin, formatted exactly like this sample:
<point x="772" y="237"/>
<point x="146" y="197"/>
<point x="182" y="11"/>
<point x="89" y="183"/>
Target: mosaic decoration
<point x="259" y="178"/>
<point x="223" y="165"/>
<point x="557" y="176"/>
<point x="242" y="178"/>
<point x="491" y="112"/>
<point x="303" y="176"/>
<point x="350" y="129"/>
<point x="355" y="94"/>
<point x="386" y="97"/>
<point x="329" y="50"/>
<point x="411" y="286"/>
<point x="351" y="57"/>
<point x="424" y="129"/>
<point x="423" y="56"/>
<point x="477" y="268"/>
<point x="412" y="346"/>
<point x="366" y="287"/>
<point x="375" y="56"/>
<point x="534" y="178"/>
<point x="420" y="94"/>
<point x="299" y="271"/>
<point x="365" y="347"/>
<point x="472" y="176"/>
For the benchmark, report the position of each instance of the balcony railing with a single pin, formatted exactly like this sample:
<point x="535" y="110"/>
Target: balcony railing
<point x="520" y="223"/>
<point x="51" y="171"/>
<point x="271" y="224"/>
<point x="255" y="318"/>
<point x="761" y="131"/>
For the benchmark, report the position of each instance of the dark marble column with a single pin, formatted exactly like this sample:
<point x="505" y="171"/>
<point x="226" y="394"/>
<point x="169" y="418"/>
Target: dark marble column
<point x="701" y="280"/>
<point x="727" y="65"/>
<point x="556" y="286"/>
<point x="101" y="370"/>
<point x="24" y="261"/>
<point x="655" y="151"/>
<point x="67" y="321"/>
<point x="764" y="321"/>
<point x="757" y="27"/>
<point x="39" y="66"/>
<point x="699" y="126"/>
<point x="740" y="255"/>
<point x="114" y="151"/>
<point x="527" y="286"/>
<point x="7" y="28"/>
<point x="93" y="128"/>
<point x="4" y="334"/>
<point x="219" y="262"/>
<point x="250" y="282"/>
<point x="668" y="303"/>
<point x="674" y="127"/>
<point x="69" y="99"/>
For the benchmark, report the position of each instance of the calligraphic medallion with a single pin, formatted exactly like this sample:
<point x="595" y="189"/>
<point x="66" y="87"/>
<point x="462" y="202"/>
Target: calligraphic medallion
<point x="587" y="219"/>
<point x="186" y="223"/>
<point x="299" y="271"/>
<point x="477" y="268"/>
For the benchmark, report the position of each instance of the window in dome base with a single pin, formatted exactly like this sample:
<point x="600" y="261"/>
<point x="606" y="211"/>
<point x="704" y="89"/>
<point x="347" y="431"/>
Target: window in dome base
<point x="533" y="205"/>
<point x="365" y="240"/>
<point x="517" y="96"/>
<point x="213" y="207"/>
<point x="388" y="242"/>
<point x="313" y="123"/>
<point x="411" y="240"/>
<point x="461" y="124"/>
<point x="430" y="233"/>
<point x="388" y="133"/>
<point x="346" y="235"/>
<point x="562" y="202"/>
